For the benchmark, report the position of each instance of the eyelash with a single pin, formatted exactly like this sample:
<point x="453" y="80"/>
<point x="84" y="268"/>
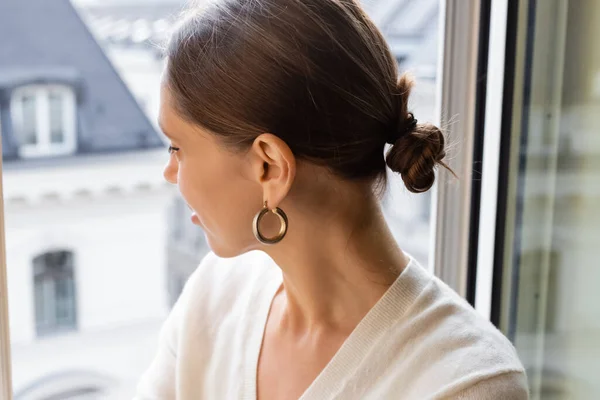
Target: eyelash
<point x="173" y="149"/>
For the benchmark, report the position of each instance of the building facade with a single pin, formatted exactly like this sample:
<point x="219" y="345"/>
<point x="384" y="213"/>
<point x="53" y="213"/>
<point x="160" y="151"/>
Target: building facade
<point x="85" y="209"/>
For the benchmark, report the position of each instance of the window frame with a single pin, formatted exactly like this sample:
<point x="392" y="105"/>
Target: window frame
<point x="458" y="95"/>
<point x="44" y="146"/>
<point x="5" y="357"/>
<point x="495" y="183"/>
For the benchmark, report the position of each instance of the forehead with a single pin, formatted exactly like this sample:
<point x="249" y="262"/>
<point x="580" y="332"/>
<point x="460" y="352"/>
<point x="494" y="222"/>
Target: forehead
<point x="165" y="110"/>
<point x="168" y="120"/>
<point x="171" y="123"/>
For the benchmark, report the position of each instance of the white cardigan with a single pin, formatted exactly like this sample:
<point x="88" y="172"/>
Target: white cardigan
<point x="420" y="341"/>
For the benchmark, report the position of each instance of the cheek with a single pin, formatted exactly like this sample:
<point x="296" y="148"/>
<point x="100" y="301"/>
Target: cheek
<point x="224" y="202"/>
<point x="197" y="188"/>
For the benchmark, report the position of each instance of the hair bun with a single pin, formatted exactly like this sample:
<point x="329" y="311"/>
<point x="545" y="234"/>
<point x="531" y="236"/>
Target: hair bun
<point x="415" y="156"/>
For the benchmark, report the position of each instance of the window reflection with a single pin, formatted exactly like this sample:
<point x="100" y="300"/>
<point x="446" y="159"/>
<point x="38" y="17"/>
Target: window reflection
<point x="550" y="303"/>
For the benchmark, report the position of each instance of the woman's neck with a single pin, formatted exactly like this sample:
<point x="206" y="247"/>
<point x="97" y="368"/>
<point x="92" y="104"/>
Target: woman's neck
<point x="337" y="263"/>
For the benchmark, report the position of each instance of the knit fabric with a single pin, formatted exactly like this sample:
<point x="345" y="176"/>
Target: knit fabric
<point x="420" y="341"/>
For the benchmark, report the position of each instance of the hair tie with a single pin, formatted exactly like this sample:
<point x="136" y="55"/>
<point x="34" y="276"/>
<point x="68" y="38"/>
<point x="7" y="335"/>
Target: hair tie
<point x="410" y="124"/>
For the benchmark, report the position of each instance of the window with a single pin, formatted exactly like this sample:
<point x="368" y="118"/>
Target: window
<point x="44" y="120"/>
<point x="55" y="302"/>
<point x="543" y="276"/>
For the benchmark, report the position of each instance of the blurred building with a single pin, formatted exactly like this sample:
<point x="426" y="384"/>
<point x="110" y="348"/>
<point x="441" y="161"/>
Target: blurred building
<point x="85" y="206"/>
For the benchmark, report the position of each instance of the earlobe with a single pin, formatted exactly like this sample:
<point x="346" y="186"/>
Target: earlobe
<point x="274" y="167"/>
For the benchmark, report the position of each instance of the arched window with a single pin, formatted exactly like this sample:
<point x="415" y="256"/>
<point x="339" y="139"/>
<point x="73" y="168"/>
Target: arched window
<point x="68" y="385"/>
<point x="44" y="118"/>
<point x="55" y="294"/>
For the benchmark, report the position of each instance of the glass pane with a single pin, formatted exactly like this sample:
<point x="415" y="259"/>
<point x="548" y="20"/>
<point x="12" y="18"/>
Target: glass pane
<point x="65" y="303"/>
<point x="54" y="292"/>
<point x="45" y="306"/>
<point x="57" y="117"/>
<point x="551" y="302"/>
<point x="40" y="312"/>
<point x="28" y="129"/>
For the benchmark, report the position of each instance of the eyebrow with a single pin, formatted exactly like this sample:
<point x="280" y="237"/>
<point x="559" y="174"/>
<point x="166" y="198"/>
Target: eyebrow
<point x="164" y="131"/>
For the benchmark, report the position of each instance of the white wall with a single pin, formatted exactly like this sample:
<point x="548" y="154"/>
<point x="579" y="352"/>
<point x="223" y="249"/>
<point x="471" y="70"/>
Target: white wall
<point x="119" y="249"/>
<point x="111" y="211"/>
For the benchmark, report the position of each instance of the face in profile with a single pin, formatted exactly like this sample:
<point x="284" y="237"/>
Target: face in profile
<point x="215" y="182"/>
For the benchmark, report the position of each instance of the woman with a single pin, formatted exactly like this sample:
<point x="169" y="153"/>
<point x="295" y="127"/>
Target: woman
<point x="278" y="112"/>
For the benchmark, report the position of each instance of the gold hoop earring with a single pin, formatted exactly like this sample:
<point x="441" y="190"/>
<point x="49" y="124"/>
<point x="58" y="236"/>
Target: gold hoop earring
<point x="282" y="230"/>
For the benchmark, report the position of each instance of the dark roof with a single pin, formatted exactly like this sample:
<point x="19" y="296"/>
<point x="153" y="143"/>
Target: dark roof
<point x="47" y="42"/>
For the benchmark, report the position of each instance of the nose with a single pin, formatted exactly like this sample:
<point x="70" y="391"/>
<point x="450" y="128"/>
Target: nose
<point x="170" y="171"/>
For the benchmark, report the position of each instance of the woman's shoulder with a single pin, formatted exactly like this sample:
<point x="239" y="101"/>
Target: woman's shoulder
<point x="468" y="327"/>
<point x="447" y="314"/>
<point x="459" y="343"/>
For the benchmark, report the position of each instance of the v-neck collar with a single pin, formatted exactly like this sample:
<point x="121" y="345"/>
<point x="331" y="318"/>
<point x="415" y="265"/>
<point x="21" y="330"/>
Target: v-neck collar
<point x="332" y="379"/>
<point x="259" y="307"/>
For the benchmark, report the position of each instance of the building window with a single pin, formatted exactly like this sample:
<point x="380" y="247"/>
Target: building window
<point x="44" y="120"/>
<point x="55" y="300"/>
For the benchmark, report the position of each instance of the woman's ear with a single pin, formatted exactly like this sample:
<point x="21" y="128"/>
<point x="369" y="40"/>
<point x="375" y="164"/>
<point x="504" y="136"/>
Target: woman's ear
<point x="273" y="167"/>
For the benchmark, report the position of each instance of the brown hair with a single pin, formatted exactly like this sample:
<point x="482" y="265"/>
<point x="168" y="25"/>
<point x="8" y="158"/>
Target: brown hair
<point x="316" y="73"/>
